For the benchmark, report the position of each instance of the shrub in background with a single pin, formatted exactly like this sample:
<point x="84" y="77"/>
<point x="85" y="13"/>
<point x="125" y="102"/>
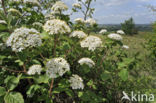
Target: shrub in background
<point x="129" y="27"/>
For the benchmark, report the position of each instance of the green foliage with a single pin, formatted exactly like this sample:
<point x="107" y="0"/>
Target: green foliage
<point x="154" y="27"/>
<point x="123" y="74"/>
<point x="12" y="81"/>
<point x="129" y="27"/>
<point x="2" y="91"/>
<point x="13" y="97"/>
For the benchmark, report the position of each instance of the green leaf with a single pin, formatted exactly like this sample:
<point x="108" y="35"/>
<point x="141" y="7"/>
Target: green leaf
<point x="41" y="79"/>
<point x="3" y="27"/>
<point x="2" y="91"/>
<point x="12" y="81"/>
<point x="123" y="74"/>
<point x="105" y="76"/>
<point x="80" y="94"/>
<point x="33" y="89"/>
<point x="91" y="84"/>
<point x="13" y="97"/>
<point x="69" y="92"/>
<point x="20" y="63"/>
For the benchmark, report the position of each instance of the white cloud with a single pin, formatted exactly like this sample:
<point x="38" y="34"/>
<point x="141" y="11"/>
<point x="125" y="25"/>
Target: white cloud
<point x="113" y="2"/>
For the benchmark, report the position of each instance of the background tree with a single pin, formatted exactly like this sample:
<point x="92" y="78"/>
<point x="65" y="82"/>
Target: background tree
<point x="85" y="8"/>
<point x="129" y="27"/>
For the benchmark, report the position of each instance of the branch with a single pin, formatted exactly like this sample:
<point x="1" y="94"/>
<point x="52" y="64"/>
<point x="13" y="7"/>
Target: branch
<point x="84" y="4"/>
<point x="51" y="87"/>
<point x="3" y="6"/>
<point x="10" y="70"/>
<point x="54" y="54"/>
<point x="88" y="7"/>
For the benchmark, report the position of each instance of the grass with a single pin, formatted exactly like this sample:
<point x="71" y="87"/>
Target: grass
<point x="136" y="42"/>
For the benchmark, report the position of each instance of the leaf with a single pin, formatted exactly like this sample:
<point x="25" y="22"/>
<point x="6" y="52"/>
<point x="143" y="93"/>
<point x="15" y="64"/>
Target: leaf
<point x="3" y="27"/>
<point x="41" y="79"/>
<point x="13" y="97"/>
<point x="20" y="63"/>
<point x="2" y="91"/>
<point x="105" y="76"/>
<point x="123" y="74"/>
<point x="12" y="81"/>
<point x="69" y="92"/>
<point x="91" y="84"/>
<point x="33" y="89"/>
<point x="80" y="94"/>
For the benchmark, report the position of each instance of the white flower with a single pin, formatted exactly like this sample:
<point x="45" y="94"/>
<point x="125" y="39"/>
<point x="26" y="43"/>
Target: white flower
<point x="91" y="42"/>
<point x="79" y="34"/>
<point x="90" y="21"/>
<point x="59" y="6"/>
<point x="57" y="67"/>
<point x="125" y="47"/>
<point x="56" y="26"/>
<point x="79" y="20"/>
<point x="23" y="38"/>
<point x="38" y="24"/>
<point x="2" y="22"/>
<point x="115" y="37"/>
<point x="86" y="61"/>
<point x="34" y="69"/>
<point x="77" y="5"/>
<point x="103" y="31"/>
<point x="14" y="11"/>
<point x="76" y="82"/>
<point x="32" y="2"/>
<point x="120" y="32"/>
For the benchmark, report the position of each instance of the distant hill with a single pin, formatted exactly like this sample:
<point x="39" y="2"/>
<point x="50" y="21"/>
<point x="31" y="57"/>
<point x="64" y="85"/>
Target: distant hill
<point x="115" y="27"/>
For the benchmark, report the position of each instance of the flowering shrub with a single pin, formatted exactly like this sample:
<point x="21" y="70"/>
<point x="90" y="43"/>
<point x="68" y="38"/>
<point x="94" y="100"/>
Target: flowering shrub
<point x="52" y="60"/>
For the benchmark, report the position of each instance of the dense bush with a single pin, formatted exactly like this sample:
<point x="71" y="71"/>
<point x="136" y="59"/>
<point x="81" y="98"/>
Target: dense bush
<point x="49" y="59"/>
<point x="129" y="27"/>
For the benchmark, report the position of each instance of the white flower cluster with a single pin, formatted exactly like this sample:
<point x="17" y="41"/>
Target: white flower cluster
<point x="32" y="2"/>
<point x="34" y="69"/>
<point x="14" y="11"/>
<point x="91" y="21"/>
<point x="2" y="22"/>
<point x="79" y="34"/>
<point x="56" y="26"/>
<point x="38" y="24"/>
<point x="91" y="42"/>
<point x="79" y="20"/>
<point x="125" y="47"/>
<point x="103" y="31"/>
<point x="76" y="82"/>
<point x="86" y="61"/>
<point x="57" y="67"/>
<point x="115" y="37"/>
<point x="23" y="38"/>
<point x="120" y="32"/>
<point x="59" y="6"/>
<point x="77" y="5"/>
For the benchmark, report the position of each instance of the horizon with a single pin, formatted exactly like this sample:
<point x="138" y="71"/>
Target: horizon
<point x="117" y="11"/>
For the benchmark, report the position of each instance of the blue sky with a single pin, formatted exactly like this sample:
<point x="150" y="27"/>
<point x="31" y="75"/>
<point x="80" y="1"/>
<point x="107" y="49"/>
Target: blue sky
<point x="116" y="11"/>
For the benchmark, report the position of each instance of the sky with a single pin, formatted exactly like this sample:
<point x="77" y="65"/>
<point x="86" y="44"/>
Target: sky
<point x="117" y="11"/>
